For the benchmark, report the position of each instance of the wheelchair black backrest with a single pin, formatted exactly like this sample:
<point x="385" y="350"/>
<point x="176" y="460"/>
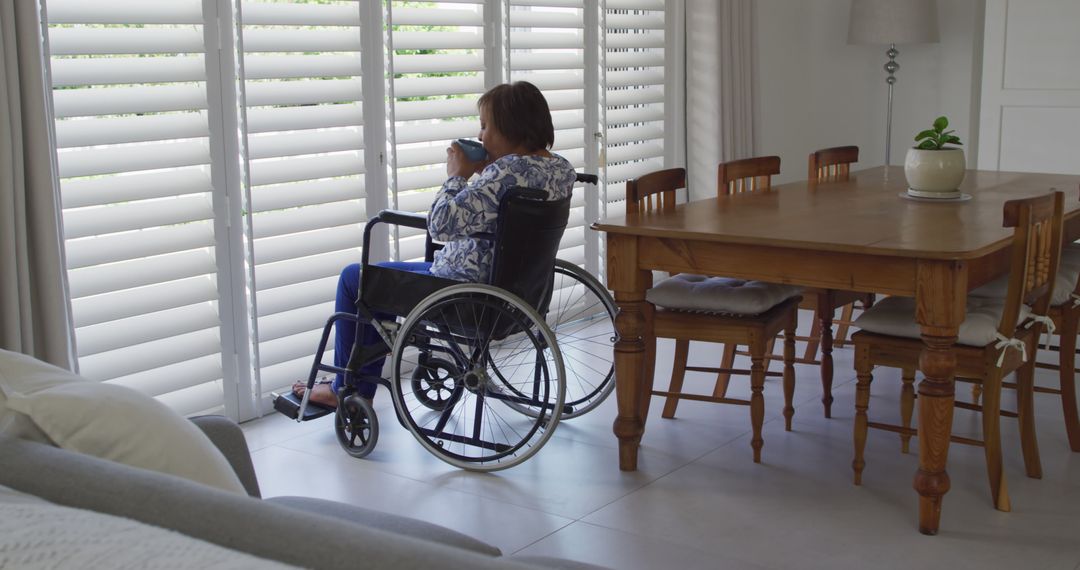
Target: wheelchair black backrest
<point x="527" y="235"/>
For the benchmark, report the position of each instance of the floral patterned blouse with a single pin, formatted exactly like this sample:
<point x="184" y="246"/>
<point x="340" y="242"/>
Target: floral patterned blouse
<point x="462" y="209"/>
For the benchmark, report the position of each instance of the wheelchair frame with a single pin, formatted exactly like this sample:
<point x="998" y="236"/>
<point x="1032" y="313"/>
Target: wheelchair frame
<point x="362" y="422"/>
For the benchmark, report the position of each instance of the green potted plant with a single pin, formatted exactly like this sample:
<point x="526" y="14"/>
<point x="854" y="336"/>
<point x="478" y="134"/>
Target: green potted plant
<point x="933" y="169"/>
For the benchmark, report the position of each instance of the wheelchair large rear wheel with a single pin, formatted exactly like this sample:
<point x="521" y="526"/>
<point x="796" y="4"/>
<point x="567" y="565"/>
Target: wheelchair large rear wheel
<point x="582" y="316"/>
<point x="481" y="329"/>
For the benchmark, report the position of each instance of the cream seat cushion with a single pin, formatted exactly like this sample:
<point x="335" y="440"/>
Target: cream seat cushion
<point x="688" y="292"/>
<point x="895" y="316"/>
<point x="1064" y="284"/>
<point x="1070" y="255"/>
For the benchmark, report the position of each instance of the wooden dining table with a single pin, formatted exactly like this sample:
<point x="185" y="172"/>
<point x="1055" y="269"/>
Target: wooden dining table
<point x="863" y="234"/>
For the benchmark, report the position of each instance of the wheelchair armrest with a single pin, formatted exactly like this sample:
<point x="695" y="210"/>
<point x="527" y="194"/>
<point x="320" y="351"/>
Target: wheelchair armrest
<point x="393" y="217"/>
<point x="400" y="218"/>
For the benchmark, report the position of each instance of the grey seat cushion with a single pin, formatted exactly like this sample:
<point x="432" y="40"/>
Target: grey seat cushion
<point x="895" y="316"/>
<point x="242" y="523"/>
<point x="688" y="292"/>
<point x="1064" y="285"/>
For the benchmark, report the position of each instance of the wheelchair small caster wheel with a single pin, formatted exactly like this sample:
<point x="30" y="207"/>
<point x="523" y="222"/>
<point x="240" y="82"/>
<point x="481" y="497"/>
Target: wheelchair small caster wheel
<point x="356" y="425"/>
<point x="434" y="385"/>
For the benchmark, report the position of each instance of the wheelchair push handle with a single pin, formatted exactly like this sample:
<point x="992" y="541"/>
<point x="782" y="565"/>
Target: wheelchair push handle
<point x="588" y="178"/>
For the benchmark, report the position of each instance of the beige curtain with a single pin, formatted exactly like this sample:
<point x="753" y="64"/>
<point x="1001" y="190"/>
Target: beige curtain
<point x="35" y="314"/>
<point x="719" y="88"/>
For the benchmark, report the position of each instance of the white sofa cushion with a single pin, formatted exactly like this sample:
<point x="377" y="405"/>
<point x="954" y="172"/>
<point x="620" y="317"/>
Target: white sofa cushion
<point x="688" y="292"/>
<point x="38" y="534"/>
<point x="895" y="316"/>
<point x="111" y="422"/>
<point x="27" y="375"/>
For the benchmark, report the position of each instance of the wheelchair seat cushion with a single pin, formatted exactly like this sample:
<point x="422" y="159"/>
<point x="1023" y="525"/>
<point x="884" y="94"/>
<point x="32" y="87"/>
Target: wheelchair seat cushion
<point x="688" y="292"/>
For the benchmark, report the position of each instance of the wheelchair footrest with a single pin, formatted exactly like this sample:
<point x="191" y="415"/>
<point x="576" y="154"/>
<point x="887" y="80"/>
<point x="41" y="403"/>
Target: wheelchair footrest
<point x="289" y="404"/>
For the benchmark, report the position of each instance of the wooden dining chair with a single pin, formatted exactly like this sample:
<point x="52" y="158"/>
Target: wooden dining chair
<point x="746" y="175"/>
<point x="1064" y="312"/>
<point x="832" y="163"/>
<point x="827" y="165"/>
<point x="996" y="338"/>
<point x="714" y="309"/>
<point x="736" y="177"/>
<point x="1066" y="317"/>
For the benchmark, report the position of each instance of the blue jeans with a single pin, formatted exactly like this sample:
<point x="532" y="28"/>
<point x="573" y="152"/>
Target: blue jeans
<point x="348" y="290"/>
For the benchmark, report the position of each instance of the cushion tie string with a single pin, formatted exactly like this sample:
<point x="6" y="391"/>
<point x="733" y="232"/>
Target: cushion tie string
<point x="1045" y="320"/>
<point x="1004" y="343"/>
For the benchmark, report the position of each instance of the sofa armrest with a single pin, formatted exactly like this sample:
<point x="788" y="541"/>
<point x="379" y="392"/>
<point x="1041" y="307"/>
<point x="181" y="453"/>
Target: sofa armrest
<point x="398" y="525"/>
<point x="227" y="519"/>
<point x="227" y="436"/>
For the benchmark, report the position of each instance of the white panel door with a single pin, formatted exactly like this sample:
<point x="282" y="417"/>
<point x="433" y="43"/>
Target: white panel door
<point x="1030" y="115"/>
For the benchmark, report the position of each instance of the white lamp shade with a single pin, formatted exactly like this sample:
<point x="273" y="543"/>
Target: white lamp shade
<point x="883" y="22"/>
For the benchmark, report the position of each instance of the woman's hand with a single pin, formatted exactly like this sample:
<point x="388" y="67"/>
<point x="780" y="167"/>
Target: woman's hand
<point x="457" y="164"/>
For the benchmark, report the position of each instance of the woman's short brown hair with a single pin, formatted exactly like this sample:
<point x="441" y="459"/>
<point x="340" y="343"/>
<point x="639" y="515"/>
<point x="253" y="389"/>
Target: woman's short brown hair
<point x="520" y="112"/>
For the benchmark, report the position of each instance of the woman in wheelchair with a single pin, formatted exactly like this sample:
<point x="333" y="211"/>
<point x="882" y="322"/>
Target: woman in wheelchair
<point x="517" y="132"/>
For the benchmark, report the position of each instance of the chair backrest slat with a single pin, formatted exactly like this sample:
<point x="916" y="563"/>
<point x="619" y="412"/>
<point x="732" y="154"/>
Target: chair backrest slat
<point x="654" y="191"/>
<point x="746" y="175"/>
<point x="1036" y="254"/>
<point x="832" y="164"/>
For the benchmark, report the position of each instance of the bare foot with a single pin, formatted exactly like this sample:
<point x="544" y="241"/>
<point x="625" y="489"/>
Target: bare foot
<point x="322" y="393"/>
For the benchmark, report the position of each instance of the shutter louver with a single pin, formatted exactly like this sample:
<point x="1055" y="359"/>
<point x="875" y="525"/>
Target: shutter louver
<point x="301" y="75"/>
<point x="438" y="62"/>
<point x="634" y="66"/>
<point x="130" y="97"/>
<point x="547" y="49"/>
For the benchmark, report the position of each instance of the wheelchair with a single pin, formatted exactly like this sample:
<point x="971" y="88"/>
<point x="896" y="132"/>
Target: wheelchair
<point x="481" y="373"/>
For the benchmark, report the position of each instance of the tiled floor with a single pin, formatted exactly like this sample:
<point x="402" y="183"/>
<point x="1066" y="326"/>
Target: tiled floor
<point x="698" y="500"/>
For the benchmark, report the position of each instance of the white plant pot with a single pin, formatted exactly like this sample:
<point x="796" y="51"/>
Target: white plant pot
<point x="934" y="173"/>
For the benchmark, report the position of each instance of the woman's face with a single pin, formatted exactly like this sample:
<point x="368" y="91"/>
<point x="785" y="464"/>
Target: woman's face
<point x="494" y="142"/>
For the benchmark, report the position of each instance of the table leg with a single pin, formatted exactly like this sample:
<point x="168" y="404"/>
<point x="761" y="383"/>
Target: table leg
<point x="941" y="293"/>
<point x="630" y="365"/>
<point x="936" y="396"/>
<point x="634" y="327"/>
<point x="825" y="317"/>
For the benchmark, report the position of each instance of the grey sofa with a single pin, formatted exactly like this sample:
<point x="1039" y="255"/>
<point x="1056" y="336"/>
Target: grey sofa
<point x="299" y="531"/>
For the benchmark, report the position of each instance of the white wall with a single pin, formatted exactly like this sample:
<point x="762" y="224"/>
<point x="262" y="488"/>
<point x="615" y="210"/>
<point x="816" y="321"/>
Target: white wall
<point x="815" y="91"/>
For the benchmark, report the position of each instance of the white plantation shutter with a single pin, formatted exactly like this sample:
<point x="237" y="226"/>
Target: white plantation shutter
<point x="548" y="49"/>
<point x="130" y="92"/>
<point x="302" y="99"/>
<point x="218" y="159"/>
<point x="440" y="68"/>
<point x="635" y="94"/>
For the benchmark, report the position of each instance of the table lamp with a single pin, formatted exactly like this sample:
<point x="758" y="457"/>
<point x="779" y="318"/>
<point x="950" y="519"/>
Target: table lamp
<point x="891" y="22"/>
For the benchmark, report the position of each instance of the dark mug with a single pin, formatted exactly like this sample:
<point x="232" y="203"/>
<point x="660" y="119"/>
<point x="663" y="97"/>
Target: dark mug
<point x="473" y="150"/>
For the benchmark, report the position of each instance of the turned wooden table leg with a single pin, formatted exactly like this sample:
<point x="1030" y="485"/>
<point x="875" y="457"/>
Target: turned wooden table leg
<point x="941" y="295"/>
<point x="938" y="363"/>
<point x="629" y="377"/>
<point x="633" y="328"/>
<point x="825" y="314"/>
